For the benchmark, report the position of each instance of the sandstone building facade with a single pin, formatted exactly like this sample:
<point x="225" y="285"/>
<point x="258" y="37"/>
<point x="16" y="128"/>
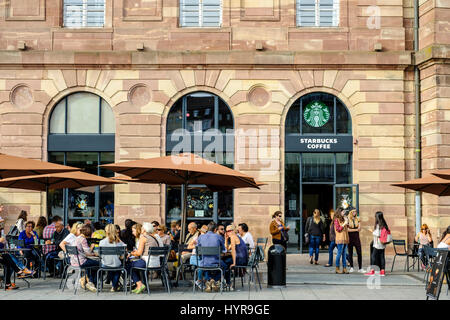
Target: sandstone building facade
<point x="141" y="68"/>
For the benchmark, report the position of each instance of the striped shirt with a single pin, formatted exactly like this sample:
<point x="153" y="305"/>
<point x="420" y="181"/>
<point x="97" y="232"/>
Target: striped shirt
<point x="47" y="235"/>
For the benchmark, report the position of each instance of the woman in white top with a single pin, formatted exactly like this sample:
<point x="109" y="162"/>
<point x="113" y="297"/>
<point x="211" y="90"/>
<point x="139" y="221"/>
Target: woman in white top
<point x="136" y="230"/>
<point x="378" y="257"/>
<point x="245" y="235"/>
<point x="146" y="241"/>
<point x="112" y="240"/>
<point x="72" y="237"/>
<point x="21" y="219"/>
<point x="445" y="240"/>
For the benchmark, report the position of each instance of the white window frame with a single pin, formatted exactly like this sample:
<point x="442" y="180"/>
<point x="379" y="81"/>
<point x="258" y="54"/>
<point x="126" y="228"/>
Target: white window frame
<point x="200" y="17"/>
<point x="335" y="10"/>
<point x="84" y="22"/>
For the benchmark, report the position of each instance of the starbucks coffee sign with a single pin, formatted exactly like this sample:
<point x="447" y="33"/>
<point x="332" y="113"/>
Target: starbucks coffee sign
<point x="319" y="143"/>
<point x="316" y="114"/>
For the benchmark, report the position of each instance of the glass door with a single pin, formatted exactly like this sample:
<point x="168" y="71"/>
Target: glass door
<point x="346" y="196"/>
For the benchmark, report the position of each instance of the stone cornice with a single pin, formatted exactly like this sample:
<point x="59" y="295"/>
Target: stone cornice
<point x="433" y="54"/>
<point x="205" y="59"/>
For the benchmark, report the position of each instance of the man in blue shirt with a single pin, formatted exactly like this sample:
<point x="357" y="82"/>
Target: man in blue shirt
<point x="211" y="239"/>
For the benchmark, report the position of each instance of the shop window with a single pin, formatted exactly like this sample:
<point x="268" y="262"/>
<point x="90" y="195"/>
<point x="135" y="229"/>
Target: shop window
<point x="81" y="134"/>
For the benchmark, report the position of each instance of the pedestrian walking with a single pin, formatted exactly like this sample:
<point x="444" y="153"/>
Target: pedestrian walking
<point x="378" y="259"/>
<point x="315" y="228"/>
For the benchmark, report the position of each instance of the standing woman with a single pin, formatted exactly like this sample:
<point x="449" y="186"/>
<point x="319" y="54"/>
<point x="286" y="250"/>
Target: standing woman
<point x="378" y="258"/>
<point x="41" y="224"/>
<point x="354" y="227"/>
<point x="341" y="230"/>
<point x="445" y="240"/>
<point x="315" y="228"/>
<point x="278" y="230"/>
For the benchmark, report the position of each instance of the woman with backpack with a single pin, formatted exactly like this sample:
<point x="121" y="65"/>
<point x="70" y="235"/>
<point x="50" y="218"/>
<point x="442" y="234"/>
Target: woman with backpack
<point x="380" y="239"/>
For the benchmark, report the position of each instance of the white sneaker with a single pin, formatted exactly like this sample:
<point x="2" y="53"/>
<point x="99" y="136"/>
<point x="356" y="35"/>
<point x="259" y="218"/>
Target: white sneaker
<point x="362" y="271"/>
<point x="351" y="270"/>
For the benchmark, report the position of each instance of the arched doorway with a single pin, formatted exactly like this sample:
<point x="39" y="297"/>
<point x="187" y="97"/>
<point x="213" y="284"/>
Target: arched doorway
<point x="81" y="134"/>
<point x="318" y="162"/>
<point x="201" y="123"/>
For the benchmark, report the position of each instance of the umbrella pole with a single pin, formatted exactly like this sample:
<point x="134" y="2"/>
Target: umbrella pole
<point x="183" y="213"/>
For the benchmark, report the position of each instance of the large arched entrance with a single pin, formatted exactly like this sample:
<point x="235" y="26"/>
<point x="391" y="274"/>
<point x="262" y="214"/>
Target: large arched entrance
<point x="318" y="162"/>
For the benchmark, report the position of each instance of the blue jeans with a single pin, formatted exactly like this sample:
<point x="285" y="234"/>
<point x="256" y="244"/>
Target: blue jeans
<point x="114" y="276"/>
<point x="136" y="274"/>
<point x="330" y="252"/>
<point x="193" y="261"/>
<point x="215" y="274"/>
<point x="314" y="247"/>
<point x="342" y="251"/>
<point x="91" y="273"/>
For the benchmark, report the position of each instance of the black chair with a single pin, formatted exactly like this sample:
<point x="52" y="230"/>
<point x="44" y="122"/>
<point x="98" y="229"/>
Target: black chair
<point x="262" y="243"/>
<point x="401" y="250"/>
<point x="183" y="267"/>
<point x="163" y="253"/>
<point x="429" y="254"/>
<point x="252" y="265"/>
<point x="66" y="265"/>
<point x="201" y="252"/>
<point x="73" y="251"/>
<point x="111" y="251"/>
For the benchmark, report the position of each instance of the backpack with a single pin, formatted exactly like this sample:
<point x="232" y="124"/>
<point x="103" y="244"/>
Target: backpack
<point x="385" y="236"/>
<point x="13" y="231"/>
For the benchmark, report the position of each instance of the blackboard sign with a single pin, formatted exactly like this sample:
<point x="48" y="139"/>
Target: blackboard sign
<point x="438" y="271"/>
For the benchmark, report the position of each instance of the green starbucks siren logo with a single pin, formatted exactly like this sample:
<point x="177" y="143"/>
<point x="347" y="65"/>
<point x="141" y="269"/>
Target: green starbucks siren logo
<point x="316" y="114"/>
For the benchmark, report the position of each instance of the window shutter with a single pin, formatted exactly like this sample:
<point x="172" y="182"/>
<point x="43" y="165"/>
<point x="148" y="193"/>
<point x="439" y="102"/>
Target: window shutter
<point x="84" y="13"/>
<point x="306" y="13"/>
<point x="189" y="13"/>
<point x="317" y="13"/>
<point x="329" y="13"/>
<point x="211" y="13"/>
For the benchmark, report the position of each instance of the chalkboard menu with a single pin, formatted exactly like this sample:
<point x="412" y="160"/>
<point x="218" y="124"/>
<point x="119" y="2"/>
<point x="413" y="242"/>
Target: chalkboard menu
<point x="438" y="271"/>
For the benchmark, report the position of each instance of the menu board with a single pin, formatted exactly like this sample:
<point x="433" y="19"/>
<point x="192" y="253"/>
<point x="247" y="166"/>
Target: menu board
<point x="438" y="271"/>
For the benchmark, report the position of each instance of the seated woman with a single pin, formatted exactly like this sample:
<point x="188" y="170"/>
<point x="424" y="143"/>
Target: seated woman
<point x="238" y="249"/>
<point x="30" y="238"/>
<point x="84" y="252"/>
<point x="112" y="240"/>
<point x="146" y="241"/>
<point x="10" y="265"/>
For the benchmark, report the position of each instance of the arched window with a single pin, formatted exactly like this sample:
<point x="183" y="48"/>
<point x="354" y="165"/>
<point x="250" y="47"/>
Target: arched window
<point x="200" y="119"/>
<point x="81" y="134"/>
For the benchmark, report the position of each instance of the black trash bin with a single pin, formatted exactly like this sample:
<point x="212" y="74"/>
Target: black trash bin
<point x="276" y="267"/>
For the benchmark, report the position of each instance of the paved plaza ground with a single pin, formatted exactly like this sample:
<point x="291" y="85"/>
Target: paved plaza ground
<point x="304" y="282"/>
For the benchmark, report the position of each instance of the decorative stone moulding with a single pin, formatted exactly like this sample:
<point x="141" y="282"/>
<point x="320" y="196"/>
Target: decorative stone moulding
<point x="139" y="95"/>
<point x="21" y="96"/>
<point x="258" y="96"/>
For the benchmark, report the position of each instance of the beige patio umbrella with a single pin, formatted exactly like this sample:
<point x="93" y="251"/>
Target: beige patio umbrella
<point x="183" y="170"/>
<point x="11" y="166"/>
<point x="429" y="184"/>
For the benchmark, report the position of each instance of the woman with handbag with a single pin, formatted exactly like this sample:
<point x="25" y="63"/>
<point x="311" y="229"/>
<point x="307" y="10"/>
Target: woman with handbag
<point x="377" y="257"/>
<point x="315" y="229"/>
<point x="278" y="230"/>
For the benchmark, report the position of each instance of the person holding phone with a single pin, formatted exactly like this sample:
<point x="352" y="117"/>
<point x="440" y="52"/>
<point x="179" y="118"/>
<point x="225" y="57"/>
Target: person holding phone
<point x="342" y="239"/>
<point x="278" y="230"/>
<point x="423" y="238"/>
<point x="30" y="238"/>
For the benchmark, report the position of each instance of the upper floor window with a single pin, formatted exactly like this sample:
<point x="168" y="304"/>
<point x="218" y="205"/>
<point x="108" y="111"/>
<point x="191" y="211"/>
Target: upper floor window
<point x="84" y="13"/>
<point x="317" y="13"/>
<point x="200" y="13"/>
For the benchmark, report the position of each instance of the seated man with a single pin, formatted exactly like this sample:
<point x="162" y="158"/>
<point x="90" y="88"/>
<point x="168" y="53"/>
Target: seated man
<point x="211" y="239"/>
<point x="190" y="240"/>
<point x="58" y="236"/>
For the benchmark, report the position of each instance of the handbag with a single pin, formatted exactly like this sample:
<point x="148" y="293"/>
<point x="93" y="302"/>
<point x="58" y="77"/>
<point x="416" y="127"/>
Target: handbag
<point x="306" y="238"/>
<point x="13" y="231"/>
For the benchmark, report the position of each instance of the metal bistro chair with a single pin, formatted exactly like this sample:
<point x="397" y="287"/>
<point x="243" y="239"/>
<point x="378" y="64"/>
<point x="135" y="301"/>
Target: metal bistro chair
<point x="183" y="267"/>
<point x="252" y="265"/>
<point x="73" y="251"/>
<point x="262" y="244"/>
<point x="201" y="252"/>
<point x="162" y="252"/>
<point x="401" y="250"/>
<point x="66" y="265"/>
<point x="112" y="251"/>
